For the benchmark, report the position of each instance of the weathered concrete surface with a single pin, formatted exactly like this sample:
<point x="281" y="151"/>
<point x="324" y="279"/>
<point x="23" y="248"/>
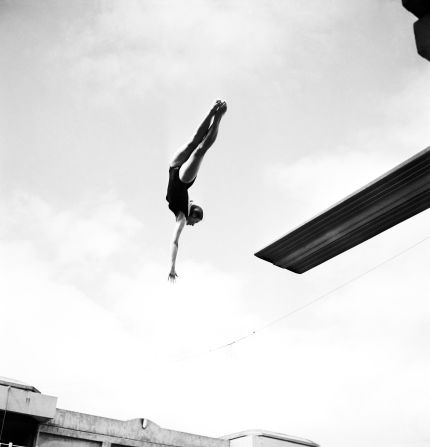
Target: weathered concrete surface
<point x="34" y="421"/>
<point x="135" y="432"/>
<point x="48" y="440"/>
<point x="23" y="401"/>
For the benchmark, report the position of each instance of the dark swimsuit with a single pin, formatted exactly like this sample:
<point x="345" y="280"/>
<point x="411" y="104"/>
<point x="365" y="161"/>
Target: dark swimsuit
<point x="177" y="192"/>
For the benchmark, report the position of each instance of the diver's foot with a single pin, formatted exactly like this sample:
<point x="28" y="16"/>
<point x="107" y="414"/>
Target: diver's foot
<point x="215" y="107"/>
<point x="222" y="108"/>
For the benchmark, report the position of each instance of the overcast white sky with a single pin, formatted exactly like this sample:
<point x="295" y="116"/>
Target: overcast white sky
<point x="323" y="97"/>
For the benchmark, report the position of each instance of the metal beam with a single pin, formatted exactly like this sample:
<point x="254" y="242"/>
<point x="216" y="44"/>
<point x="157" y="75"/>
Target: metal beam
<point x="390" y="199"/>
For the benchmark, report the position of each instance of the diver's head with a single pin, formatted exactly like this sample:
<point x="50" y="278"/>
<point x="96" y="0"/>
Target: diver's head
<point x="195" y="215"/>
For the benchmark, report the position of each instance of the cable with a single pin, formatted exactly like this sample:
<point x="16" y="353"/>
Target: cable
<point x="5" y="410"/>
<point x="310" y="303"/>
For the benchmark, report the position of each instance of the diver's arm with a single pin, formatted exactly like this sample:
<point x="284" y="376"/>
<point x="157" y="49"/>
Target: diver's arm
<point x="181" y="220"/>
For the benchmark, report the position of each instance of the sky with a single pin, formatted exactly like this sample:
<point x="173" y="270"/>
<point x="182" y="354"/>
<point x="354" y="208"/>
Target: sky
<point x="323" y="97"/>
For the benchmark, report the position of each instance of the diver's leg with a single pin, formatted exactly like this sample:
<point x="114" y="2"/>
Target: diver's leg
<point x="190" y="168"/>
<point x="183" y="154"/>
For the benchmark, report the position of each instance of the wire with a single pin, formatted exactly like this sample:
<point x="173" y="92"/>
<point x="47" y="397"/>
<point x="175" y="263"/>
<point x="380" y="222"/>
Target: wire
<point x="5" y="410"/>
<point x="319" y="298"/>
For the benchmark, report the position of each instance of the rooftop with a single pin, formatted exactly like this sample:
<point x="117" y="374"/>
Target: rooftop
<point x="271" y="434"/>
<point x="5" y="381"/>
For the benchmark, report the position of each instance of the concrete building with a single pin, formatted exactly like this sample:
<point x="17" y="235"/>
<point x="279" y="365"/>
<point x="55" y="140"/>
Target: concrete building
<point x="31" y="419"/>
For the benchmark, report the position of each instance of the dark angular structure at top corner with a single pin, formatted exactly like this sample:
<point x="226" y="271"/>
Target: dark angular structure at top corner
<point x="421" y="9"/>
<point x="418" y="8"/>
<point x="390" y="199"/>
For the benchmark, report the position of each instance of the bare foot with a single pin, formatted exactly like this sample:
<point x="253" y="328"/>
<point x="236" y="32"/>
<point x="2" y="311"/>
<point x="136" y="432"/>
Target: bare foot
<point x="215" y="107"/>
<point x="222" y="108"/>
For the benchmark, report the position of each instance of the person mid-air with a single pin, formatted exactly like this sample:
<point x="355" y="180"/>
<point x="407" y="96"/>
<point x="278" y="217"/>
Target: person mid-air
<point x="182" y="174"/>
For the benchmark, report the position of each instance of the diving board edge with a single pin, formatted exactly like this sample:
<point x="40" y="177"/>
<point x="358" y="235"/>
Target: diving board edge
<point x="397" y="195"/>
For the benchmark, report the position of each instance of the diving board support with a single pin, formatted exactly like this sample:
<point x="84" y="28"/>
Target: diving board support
<point x="390" y="199"/>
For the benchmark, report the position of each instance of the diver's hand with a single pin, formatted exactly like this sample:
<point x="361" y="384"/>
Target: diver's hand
<point x="172" y="276"/>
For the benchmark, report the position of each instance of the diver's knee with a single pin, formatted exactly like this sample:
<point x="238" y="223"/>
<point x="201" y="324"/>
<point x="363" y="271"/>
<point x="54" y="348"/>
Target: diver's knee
<point x="201" y="150"/>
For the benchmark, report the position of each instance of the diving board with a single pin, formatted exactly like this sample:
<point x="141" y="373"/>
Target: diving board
<point x="390" y="199"/>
